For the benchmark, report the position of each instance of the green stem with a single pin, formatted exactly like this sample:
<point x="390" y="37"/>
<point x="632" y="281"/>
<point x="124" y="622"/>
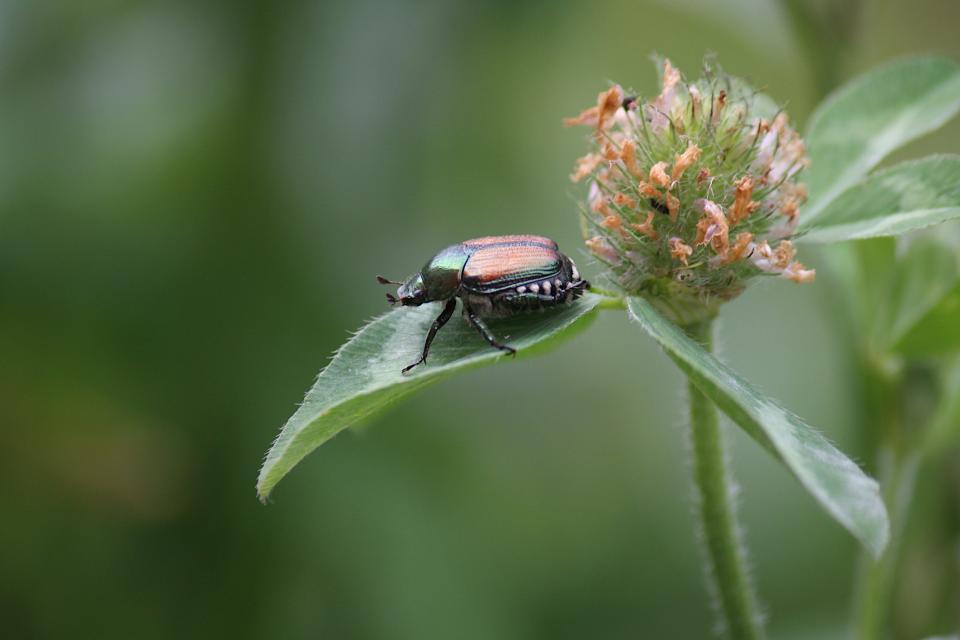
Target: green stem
<point x="727" y="573"/>
<point x="901" y="460"/>
<point x="876" y="578"/>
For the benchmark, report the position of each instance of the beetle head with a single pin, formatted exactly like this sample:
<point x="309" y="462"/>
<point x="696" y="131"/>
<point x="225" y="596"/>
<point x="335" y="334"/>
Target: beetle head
<point x="411" y="293"/>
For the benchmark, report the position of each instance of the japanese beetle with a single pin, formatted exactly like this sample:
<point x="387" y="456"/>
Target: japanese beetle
<point x="494" y="277"/>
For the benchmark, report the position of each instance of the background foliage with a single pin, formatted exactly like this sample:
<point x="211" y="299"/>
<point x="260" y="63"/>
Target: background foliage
<point x="194" y="198"/>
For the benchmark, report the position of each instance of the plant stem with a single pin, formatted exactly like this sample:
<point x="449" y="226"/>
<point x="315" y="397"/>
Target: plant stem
<point x="912" y="432"/>
<point x="875" y="580"/>
<point x="727" y="572"/>
<point x="902" y="460"/>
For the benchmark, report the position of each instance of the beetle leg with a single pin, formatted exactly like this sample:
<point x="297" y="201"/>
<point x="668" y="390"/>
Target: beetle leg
<point x="480" y="326"/>
<point x="441" y="320"/>
<point x="578" y="288"/>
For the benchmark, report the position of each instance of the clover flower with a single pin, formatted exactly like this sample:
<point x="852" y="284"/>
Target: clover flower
<point x="692" y="192"/>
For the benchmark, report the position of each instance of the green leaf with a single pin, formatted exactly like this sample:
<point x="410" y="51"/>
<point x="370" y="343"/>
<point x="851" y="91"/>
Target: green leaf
<point x="364" y="375"/>
<point x="858" y="273"/>
<point x="937" y="333"/>
<point x="863" y="121"/>
<point x="838" y="484"/>
<point x="902" y="198"/>
<point x="919" y="281"/>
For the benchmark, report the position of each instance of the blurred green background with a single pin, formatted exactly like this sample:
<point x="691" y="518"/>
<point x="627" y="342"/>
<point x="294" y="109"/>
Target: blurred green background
<point x="194" y="199"/>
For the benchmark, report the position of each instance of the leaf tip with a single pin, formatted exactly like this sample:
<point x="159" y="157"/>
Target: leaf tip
<point x="263" y="490"/>
<point x="877" y="544"/>
<point x="266" y="482"/>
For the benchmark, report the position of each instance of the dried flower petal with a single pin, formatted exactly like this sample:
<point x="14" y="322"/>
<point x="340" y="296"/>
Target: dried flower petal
<point x="602" y="249"/>
<point x="587" y="117"/>
<point x="599" y="116"/>
<point x="648" y="190"/>
<point x="607" y="104"/>
<point x="740" y="248"/>
<point x="673" y="206"/>
<point x="646" y="228"/>
<point x="671" y="76"/>
<point x="658" y="111"/>
<point x="599" y="206"/>
<point x="679" y="250"/>
<point x="762" y="257"/>
<point x="623" y="200"/>
<point x="783" y="254"/>
<point x="798" y="273"/>
<point x="629" y="156"/>
<point x="712" y="228"/>
<point x="743" y="204"/>
<point x="718" y="104"/>
<point x="585" y="166"/>
<point x="790" y="208"/>
<point x="695" y="101"/>
<point x="683" y="161"/>
<point x="658" y="175"/>
<point x="614" y="223"/>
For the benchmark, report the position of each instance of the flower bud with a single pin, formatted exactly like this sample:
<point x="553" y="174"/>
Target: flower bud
<point x="691" y="193"/>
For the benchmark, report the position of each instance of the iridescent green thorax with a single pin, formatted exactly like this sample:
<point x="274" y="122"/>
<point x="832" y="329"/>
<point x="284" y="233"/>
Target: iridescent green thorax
<point x="441" y="274"/>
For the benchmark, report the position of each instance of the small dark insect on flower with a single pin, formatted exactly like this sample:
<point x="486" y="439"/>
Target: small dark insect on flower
<point x="494" y="276"/>
<point x="659" y="206"/>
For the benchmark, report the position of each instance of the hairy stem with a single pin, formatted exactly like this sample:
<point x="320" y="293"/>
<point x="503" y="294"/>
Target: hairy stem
<point x="727" y="572"/>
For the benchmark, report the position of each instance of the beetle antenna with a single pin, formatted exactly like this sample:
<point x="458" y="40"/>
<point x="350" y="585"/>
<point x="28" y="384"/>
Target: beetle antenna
<point x="392" y="299"/>
<point x="383" y="280"/>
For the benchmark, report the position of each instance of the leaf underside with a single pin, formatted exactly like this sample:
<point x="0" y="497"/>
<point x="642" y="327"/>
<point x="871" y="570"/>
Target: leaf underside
<point x="921" y="283"/>
<point x="862" y="122"/>
<point x="364" y="375"/>
<point x="902" y="198"/>
<point x="837" y="483"/>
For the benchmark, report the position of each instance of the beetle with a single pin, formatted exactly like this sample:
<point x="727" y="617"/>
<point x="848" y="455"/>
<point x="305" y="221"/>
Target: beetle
<point x="494" y="277"/>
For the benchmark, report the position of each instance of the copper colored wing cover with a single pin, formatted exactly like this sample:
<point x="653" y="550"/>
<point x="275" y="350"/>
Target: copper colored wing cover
<point x="501" y="266"/>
